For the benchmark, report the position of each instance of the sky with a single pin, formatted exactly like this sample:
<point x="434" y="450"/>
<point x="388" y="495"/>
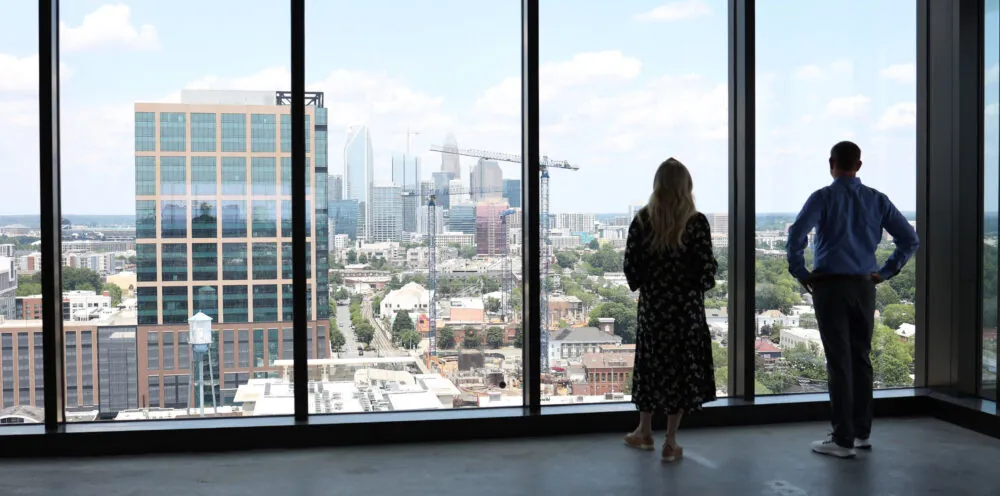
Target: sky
<point x="624" y="85"/>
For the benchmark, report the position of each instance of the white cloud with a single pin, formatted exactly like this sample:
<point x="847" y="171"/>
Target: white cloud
<point x="848" y="106"/>
<point x="993" y="74"/>
<point x="109" y="25"/>
<point x="901" y="115"/>
<point x="809" y="72"/>
<point x="555" y="77"/>
<point x="676" y="11"/>
<point x="20" y="75"/>
<point x="900" y="73"/>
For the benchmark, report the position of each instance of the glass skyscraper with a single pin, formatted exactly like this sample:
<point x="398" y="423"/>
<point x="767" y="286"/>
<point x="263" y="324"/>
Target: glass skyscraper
<point x="213" y="234"/>
<point x="512" y="192"/>
<point x="359" y="172"/>
<point x="387" y="214"/>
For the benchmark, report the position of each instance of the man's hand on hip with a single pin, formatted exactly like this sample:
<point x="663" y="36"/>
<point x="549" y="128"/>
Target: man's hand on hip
<point x="807" y="283"/>
<point x="877" y="278"/>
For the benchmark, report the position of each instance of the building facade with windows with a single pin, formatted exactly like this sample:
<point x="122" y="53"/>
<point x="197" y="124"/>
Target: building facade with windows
<point x="214" y="235"/>
<point x="359" y="174"/>
<point x="8" y="287"/>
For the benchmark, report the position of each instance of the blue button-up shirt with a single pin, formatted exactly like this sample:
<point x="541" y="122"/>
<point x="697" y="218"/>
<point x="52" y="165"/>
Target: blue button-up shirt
<point x="849" y="218"/>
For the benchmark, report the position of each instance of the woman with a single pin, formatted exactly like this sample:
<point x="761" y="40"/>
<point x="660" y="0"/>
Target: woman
<point x="669" y="260"/>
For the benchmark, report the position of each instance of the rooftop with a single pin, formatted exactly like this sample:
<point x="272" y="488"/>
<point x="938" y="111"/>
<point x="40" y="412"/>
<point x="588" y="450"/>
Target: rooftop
<point x="608" y="360"/>
<point x="584" y="335"/>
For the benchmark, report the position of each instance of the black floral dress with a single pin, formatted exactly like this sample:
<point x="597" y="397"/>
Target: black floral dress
<point x="673" y="356"/>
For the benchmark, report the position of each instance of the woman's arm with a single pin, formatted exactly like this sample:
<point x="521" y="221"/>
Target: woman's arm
<point x="704" y="257"/>
<point x="634" y="255"/>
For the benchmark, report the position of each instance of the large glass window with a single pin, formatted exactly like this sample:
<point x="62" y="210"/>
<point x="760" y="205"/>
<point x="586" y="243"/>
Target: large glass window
<point x="173" y="176"/>
<point x="145" y="219"/>
<point x="145" y="131"/>
<point x="814" y="90"/>
<point x="234" y="261"/>
<point x="265" y="261"/>
<point x="263" y="176"/>
<point x="173" y="219"/>
<point x="234" y="132"/>
<point x="175" y="305"/>
<point x="616" y="109"/>
<point x="203" y="176"/>
<point x="204" y="219"/>
<point x="991" y="189"/>
<point x="206" y="301"/>
<point x="174" y="261"/>
<point x="147" y="308"/>
<point x="265" y="303"/>
<point x="234" y="218"/>
<point x="263" y="132"/>
<point x="203" y="128"/>
<point x="286" y="260"/>
<point x="204" y="262"/>
<point x="265" y="219"/>
<point x="173" y="132"/>
<point x="234" y="176"/>
<point x="145" y="262"/>
<point x="235" y="304"/>
<point x="145" y="176"/>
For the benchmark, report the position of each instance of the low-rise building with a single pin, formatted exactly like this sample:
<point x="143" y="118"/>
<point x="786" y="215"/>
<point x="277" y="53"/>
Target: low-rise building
<point x="574" y="342"/>
<point x="794" y="336"/>
<point x="606" y="373"/>
<point x="410" y="298"/>
<point x="566" y="307"/>
<point x="766" y="349"/>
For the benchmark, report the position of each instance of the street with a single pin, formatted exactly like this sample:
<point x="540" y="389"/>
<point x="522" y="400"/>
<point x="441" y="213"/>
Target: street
<point x="343" y="320"/>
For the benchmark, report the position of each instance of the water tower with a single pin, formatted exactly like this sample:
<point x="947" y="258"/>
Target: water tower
<point x="200" y="338"/>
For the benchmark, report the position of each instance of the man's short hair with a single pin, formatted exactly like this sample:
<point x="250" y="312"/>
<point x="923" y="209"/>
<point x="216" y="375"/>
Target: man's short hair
<point x="845" y="155"/>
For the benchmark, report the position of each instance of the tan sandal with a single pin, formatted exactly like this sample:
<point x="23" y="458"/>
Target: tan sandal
<point x="671" y="453"/>
<point x="639" y="443"/>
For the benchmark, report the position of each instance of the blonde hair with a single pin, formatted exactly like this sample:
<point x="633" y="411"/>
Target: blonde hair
<point x="670" y="206"/>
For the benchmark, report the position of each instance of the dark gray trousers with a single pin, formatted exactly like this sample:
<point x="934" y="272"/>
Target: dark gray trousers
<point x="845" y="312"/>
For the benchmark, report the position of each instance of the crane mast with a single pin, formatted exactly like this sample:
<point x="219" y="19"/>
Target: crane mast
<point x="545" y="245"/>
<point x="432" y="276"/>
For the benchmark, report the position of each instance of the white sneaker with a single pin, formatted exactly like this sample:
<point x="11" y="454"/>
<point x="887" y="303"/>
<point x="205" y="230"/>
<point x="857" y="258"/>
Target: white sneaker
<point x="862" y="444"/>
<point x="829" y="447"/>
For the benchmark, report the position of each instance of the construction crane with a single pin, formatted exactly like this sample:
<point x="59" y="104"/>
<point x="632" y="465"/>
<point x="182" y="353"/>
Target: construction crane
<point x="543" y="211"/>
<point x="432" y="277"/>
<point x="507" y="282"/>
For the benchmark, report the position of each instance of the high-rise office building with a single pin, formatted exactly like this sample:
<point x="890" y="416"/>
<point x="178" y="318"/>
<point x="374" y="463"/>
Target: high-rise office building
<point x="512" y="192"/>
<point x="406" y="172"/>
<point x="441" y="184"/>
<point x="423" y="220"/>
<point x="359" y="174"/>
<point x="228" y="153"/>
<point x="450" y="162"/>
<point x="576" y="222"/>
<point x="491" y="238"/>
<point x="486" y="181"/>
<point x="336" y="187"/>
<point x="344" y="217"/>
<point x="387" y="213"/>
<point x="462" y="217"/>
<point x="458" y="192"/>
<point x="8" y="287"/>
<point x="410" y="204"/>
<point x="719" y="223"/>
<point x="117" y="370"/>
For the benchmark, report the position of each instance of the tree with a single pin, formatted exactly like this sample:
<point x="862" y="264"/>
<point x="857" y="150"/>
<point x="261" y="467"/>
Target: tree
<point x="885" y="296"/>
<point x="567" y="259"/>
<point x="806" y="362"/>
<point x="115" y="292"/>
<point x="594" y="244"/>
<point x="625" y="317"/>
<point x="895" y="315"/>
<point x="776" y="297"/>
<point x="467" y="252"/>
<point x="776" y="381"/>
<point x="352" y="257"/>
<point x="494" y="337"/>
<point x="377" y="305"/>
<point x="364" y="332"/>
<point x="492" y="305"/>
<point x="518" y="338"/>
<point x="409" y="339"/>
<point x="891" y="358"/>
<point x="337" y="340"/>
<point x="363" y="258"/>
<point x="401" y="324"/>
<point x="341" y="294"/>
<point x="336" y="278"/>
<point x="81" y="279"/>
<point x="472" y="339"/>
<point x="446" y="338"/>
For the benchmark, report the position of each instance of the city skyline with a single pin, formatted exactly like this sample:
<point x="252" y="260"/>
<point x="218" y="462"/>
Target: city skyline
<point x="604" y="102"/>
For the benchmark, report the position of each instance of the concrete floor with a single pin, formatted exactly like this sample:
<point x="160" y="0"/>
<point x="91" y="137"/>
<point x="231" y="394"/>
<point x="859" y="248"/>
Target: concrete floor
<point x="911" y="457"/>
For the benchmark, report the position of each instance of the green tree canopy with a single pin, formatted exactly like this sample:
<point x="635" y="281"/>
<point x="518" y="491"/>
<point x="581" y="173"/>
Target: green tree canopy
<point x="518" y="338"/>
<point x="352" y="257"/>
<point x="337" y="340"/>
<point x="446" y="338"/>
<point x="364" y="332"/>
<point x="895" y="315"/>
<point x="594" y="244"/>
<point x="81" y="279"/>
<point x="626" y="322"/>
<point x="401" y="324"/>
<point x="114" y="291"/>
<point x="472" y="339"/>
<point x="885" y="296"/>
<point x="492" y="305"/>
<point x="409" y="339"/>
<point x="494" y="337"/>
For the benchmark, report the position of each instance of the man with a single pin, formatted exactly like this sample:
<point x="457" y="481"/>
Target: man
<point x="849" y="218"/>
